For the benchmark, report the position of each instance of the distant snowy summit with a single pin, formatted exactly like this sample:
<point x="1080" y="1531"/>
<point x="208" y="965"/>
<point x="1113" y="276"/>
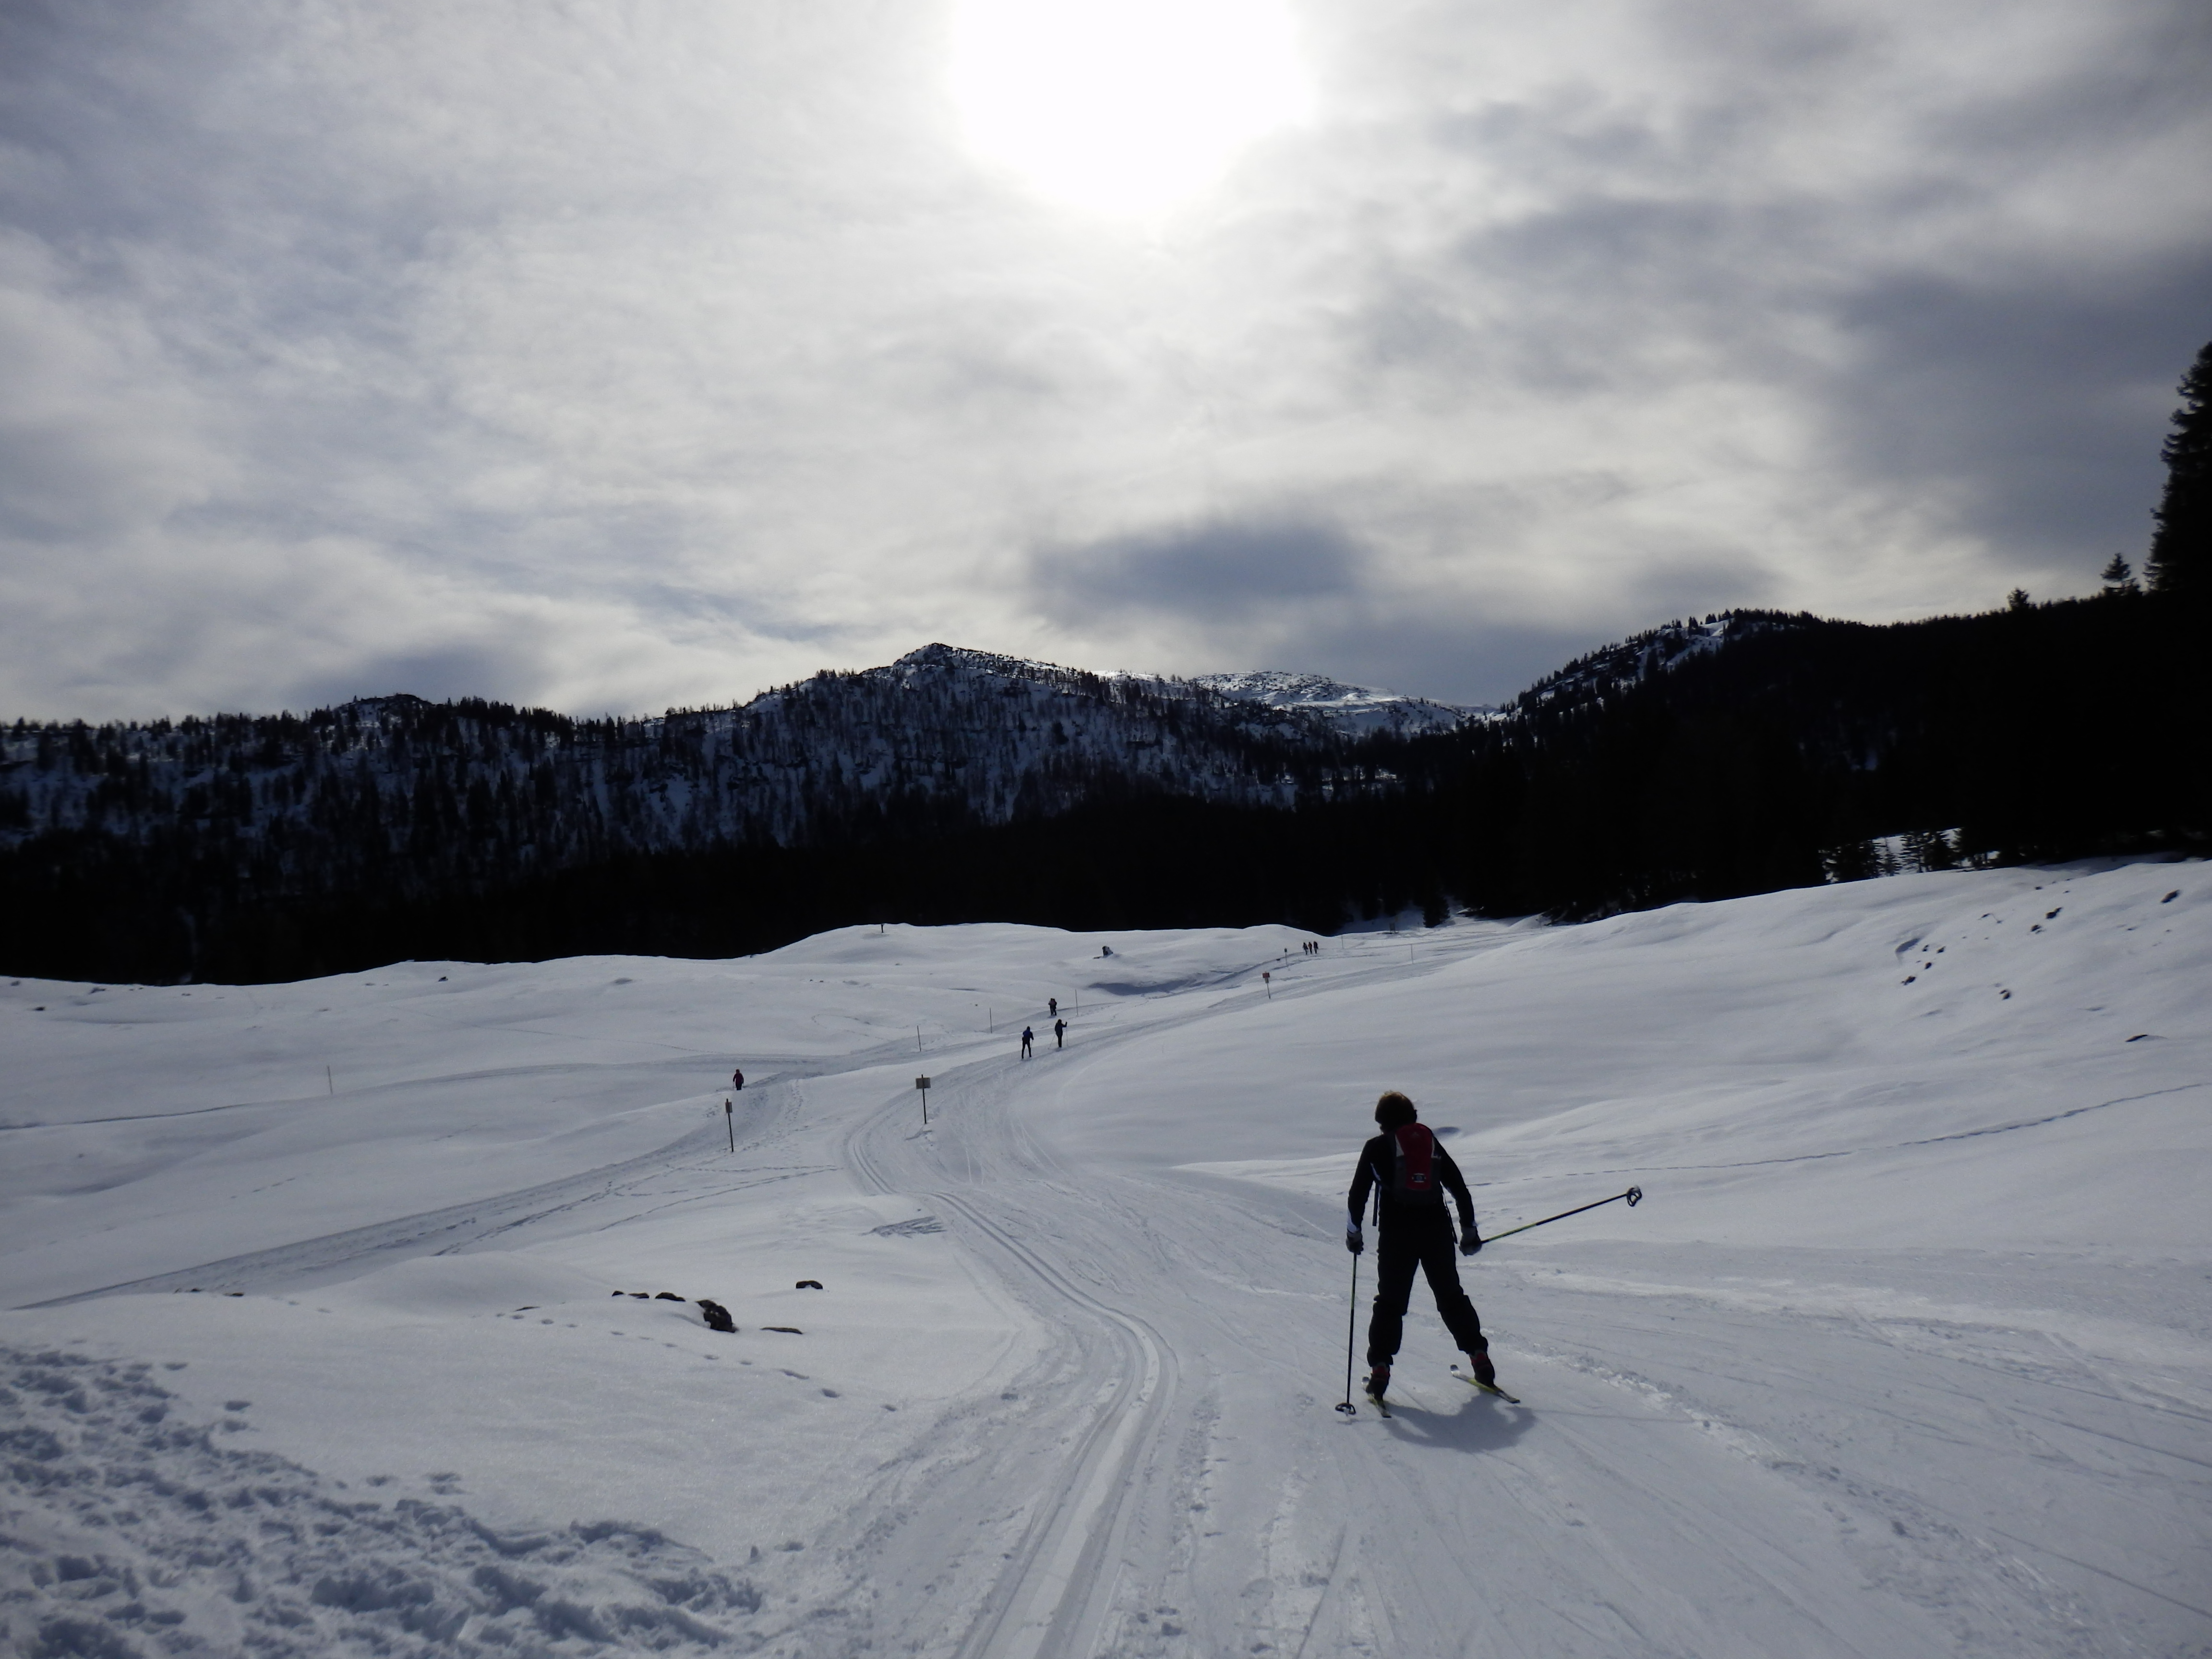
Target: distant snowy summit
<point x="1358" y="709"/>
<point x="1349" y="710"/>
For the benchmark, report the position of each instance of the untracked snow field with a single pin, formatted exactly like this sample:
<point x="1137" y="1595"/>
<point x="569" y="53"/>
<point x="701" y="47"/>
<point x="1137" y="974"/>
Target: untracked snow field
<point x="334" y="1315"/>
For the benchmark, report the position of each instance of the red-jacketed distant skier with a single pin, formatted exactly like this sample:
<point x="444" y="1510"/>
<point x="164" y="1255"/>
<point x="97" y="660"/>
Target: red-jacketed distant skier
<point x="1410" y="1174"/>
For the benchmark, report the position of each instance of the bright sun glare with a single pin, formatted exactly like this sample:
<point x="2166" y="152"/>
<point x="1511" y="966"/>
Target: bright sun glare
<point x="1126" y="106"/>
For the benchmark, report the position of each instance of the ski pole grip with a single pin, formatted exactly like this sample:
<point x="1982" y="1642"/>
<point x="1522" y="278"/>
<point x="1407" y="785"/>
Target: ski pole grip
<point x="1635" y="1196"/>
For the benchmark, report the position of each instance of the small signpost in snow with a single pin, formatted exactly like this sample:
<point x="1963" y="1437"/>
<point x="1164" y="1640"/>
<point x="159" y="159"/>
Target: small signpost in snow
<point x="922" y="1083"/>
<point x="1267" y="979"/>
<point x="730" y="1121"/>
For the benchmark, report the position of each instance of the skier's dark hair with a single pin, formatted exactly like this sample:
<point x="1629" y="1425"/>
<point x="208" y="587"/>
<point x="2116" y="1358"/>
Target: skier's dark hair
<point x="1395" y="1111"/>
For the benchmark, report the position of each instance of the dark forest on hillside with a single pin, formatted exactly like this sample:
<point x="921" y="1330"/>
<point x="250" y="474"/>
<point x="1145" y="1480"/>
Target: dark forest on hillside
<point x="2036" y="733"/>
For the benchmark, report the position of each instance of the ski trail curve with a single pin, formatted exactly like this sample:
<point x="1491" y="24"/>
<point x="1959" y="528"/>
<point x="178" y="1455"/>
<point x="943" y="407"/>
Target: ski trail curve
<point x="1051" y="1599"/>
<point x="1047" y="1590"/>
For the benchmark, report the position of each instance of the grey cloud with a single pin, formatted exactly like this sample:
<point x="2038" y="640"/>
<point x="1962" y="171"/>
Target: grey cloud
<point x="2001" y="384"/>
<point x="1464" y="651"/>
<point x="503" y="670"/>
<point x="1287" y="589"/>
<point x="610" y="346"/>
<point x="1224" y="570"/>
<point x="1469" y="662"/>
<point x="2040" y="408"/>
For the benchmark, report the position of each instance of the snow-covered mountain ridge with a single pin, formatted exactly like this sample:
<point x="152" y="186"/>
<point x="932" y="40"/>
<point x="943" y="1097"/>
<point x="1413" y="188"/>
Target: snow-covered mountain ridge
<point x="1360" y="709"/>
<point x="466" y="790"/>
<point x="1612" y="669"/>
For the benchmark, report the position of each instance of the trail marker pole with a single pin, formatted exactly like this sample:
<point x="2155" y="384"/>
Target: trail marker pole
<point x="729" y="1121"/>
<point x="922" y="1083"/>
<point x="330" y="1082"/>
<point x="1268" y="980"/>
<point x="917" y="1039"/>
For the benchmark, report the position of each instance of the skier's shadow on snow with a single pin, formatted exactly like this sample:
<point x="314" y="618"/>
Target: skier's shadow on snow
<point x="1480" y="1423"/>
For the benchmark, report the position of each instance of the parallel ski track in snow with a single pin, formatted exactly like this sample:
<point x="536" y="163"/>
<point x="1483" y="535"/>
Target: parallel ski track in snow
<point x="1048" y="1596"/>
<point x="1050" y="1591"/>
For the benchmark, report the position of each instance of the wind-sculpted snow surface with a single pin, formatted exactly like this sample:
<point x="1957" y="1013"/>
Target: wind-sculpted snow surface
<point x="1905" y="1353"/>
<point x="125" y="1529"/>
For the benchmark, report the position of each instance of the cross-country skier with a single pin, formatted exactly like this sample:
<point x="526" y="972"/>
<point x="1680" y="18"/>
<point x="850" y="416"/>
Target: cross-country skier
<point x="1410" y="1174"/>
<point x="1027" y="1037"/>
<point x="738" y="1081"/>
<point x="1060" y="1034"/>
<point x="1052" y="1006"/>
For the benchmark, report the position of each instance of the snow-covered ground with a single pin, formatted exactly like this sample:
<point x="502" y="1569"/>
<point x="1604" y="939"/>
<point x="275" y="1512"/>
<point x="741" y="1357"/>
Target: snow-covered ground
<point x="321" y="1338"/>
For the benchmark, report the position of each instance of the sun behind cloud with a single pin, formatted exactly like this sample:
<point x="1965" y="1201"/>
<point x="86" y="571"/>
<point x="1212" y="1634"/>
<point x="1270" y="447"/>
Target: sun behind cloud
<point x="1123" y="106"/>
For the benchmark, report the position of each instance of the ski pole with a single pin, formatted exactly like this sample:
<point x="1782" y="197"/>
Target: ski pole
<point x="1351" y="1325"/>
<point x="1634" y="1195"/>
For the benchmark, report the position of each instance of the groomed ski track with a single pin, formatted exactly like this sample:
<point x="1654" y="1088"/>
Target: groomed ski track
<point x="1174" y="1455"/>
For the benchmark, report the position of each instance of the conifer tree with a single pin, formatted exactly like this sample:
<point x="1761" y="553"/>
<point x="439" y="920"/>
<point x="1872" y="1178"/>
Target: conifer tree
<point x="2118" y="579"/>
<point x="2181" y="550"/>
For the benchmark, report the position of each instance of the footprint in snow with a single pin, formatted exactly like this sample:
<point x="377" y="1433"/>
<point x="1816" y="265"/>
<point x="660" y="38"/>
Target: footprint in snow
<point x="367" y="1577"/>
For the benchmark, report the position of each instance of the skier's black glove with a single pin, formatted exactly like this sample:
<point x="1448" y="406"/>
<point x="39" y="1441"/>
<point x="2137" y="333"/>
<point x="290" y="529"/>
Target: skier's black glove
<point x="1470" y="1241"/>
<point x="1353" y="1241"/>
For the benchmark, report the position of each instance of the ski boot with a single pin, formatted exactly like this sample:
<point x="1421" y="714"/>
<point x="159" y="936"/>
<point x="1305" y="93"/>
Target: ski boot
<point x="1478" y="1366"/>
<point x="1378" y="1384"/>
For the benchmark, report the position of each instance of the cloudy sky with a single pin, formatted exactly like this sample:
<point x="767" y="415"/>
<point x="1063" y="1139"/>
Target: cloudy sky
<point x="612" y="355"/>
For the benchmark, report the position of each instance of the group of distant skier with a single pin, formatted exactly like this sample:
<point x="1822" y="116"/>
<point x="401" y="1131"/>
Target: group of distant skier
<point x="1059" y="1029"/>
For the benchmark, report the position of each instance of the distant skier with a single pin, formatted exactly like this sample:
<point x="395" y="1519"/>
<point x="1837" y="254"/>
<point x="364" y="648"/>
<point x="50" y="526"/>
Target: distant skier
<point x="1411" y="1174"/>
<point x="1027" y="1037"/>
<point x="1052" y="1006"/>
<point x="738" y="1081"/>
<point x="1060" y="1034"/>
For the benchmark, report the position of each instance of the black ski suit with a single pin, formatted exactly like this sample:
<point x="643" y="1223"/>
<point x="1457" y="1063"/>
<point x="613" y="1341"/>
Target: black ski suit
<point x="1409" y="1235"/>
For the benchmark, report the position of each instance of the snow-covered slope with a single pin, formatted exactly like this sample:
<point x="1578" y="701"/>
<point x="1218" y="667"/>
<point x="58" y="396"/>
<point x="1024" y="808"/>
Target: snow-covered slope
<point x="1358" y="709"/>
<point x="1905" y="1351"/>
<point x="1613" y="668"/>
